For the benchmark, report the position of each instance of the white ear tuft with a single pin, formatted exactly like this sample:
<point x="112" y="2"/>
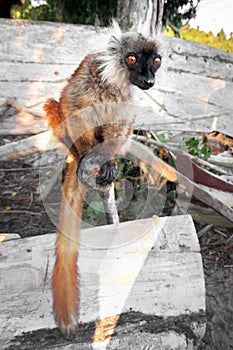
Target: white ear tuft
<point x="115" y="29"/>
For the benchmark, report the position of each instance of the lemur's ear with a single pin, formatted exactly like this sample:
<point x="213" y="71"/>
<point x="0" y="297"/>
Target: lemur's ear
<point x="115" y="37"/>
<point x="115" y="29"/>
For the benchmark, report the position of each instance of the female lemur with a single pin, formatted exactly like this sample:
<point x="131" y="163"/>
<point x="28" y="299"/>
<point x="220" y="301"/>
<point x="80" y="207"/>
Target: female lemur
<point x="86" y="118"/>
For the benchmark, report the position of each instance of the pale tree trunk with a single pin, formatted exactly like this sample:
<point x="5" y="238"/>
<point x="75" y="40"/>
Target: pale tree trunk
<point x="144" y="16"/>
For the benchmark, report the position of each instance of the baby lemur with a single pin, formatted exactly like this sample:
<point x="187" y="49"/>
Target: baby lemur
<point x="88" y="118"/>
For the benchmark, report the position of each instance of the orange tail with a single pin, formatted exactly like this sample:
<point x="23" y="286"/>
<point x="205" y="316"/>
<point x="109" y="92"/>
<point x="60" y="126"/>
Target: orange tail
<point x="65" y="285"/>
<point x="53" y="113"/>
<point x="65" y="274"/>
<point x="55" y="118"/>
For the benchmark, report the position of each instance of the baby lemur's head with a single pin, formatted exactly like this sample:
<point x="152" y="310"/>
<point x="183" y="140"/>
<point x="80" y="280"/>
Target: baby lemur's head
<point x="130" y="58"/>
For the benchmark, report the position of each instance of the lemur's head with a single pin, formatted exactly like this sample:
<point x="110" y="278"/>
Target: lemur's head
<point x="131" y="58"/>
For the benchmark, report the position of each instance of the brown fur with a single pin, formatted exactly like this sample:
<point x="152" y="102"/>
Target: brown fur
<point x="65" y="275"/>
<point x="84" y="116"/>
<point x="94" y="114"/>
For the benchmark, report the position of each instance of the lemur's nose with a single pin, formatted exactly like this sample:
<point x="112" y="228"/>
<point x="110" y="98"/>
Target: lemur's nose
<point x="149" y="82"/>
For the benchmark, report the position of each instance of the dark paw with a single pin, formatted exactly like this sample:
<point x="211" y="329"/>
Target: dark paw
<point x="94" y="171"/>
<point x="107" y="173"/>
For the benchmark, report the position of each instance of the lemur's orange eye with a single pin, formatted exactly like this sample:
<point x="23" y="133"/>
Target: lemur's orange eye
<point x="131" y="59"/>
<point x="157" y="62"/>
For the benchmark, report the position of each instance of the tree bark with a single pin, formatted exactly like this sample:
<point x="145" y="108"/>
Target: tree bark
<point x="143" y="16"/>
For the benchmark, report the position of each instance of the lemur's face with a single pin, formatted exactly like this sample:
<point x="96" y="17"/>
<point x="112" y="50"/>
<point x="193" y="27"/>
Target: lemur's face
<point x="142" y="67"/>
<point x="133" y="59"/>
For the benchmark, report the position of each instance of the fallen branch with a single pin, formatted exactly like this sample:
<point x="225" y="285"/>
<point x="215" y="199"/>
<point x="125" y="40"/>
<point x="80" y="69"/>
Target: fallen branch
<point x="20" y="212"/>
<point x="144" y="153"/>
<point x="204" y="230"/>
<point x="23" y="122"/>
<point x="175" y="151"/>
<point x="23" y="109"/>
<point x="3" y="109"/>
<point x="46" y="141"/>
<point x="206" y="195"/>
<point x="8" y="170"/>
<point x="12" y="130"/>
<point x="31" y="145"/>
<point x="223" y="159"/>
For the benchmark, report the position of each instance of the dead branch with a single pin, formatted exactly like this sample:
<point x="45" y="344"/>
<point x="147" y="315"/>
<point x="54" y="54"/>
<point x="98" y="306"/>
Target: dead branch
<point x="45" y="141"/>
<point x="9" y="130"/>
<point x="13" y="103"/>
<point x="204" y="230"/>
<point x="3" y="109"/>
<point x="8" y="170"/>
<point x="156" y="163"/>
<point x="31" y="145"/>
<point x="206" y="195"/>
<point x="224" y="159"/>
<point x="20" y="212"/>
<point x="174" y="150"/>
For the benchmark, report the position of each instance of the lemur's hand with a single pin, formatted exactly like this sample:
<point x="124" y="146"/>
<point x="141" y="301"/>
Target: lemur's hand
<point x="108" y="173"/>
<point x="95" y="170"/>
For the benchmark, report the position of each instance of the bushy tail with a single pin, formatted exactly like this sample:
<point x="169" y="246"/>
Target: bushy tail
<point x="54" y="117"/>
<point x="65" y="284"/>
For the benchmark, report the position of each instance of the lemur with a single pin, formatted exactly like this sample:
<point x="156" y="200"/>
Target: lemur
<point x="86" y="118"/>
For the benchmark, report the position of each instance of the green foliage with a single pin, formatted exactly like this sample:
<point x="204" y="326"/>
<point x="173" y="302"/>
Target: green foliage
<point x="220" y="41"/>
<point x="95" y="208"/>
<point x="88" y="11"/>
<point x="197" y="147"/>
<point x="49" y="12"/>
<point x="164" y="136"/>
<point x="177" y="12"/>
<point x="76" y="11"/>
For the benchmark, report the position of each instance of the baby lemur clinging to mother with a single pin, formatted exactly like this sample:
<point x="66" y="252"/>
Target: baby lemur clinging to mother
<point x="85" y="119"/>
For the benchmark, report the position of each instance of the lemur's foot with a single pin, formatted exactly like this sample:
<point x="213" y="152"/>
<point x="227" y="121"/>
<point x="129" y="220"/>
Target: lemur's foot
<point x="94" y="170"/>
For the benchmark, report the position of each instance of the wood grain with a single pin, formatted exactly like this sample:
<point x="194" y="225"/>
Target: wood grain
<point x="192" y="92"/>
<point x="149" y="271"/>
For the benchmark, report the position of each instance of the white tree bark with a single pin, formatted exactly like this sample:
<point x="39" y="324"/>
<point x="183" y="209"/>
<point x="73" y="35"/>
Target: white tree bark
<point x="143" y="16"/>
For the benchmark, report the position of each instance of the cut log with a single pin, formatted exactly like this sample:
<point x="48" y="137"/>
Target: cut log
<point x="193" y="87"/>
<point x="142" y="285"/>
